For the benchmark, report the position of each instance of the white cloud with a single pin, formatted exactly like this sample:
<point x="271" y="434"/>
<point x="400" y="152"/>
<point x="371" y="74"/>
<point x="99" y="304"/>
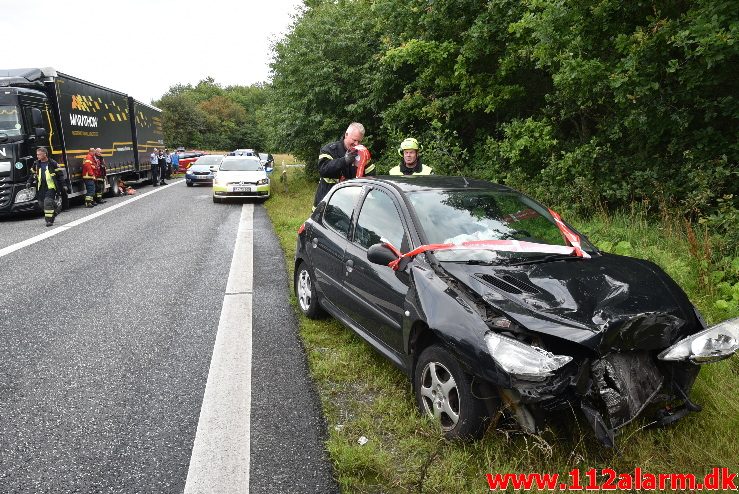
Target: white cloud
<point x="142" y="47"/>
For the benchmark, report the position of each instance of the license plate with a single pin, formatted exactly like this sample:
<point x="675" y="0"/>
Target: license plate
<point x="241" y="189"/>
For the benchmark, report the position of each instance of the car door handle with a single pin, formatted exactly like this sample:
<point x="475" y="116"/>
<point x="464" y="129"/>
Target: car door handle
<point x="349" y="266"/>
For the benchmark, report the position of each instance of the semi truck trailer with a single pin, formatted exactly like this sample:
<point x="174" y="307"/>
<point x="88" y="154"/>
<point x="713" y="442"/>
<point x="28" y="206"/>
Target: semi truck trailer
<point x="68" y="116"/>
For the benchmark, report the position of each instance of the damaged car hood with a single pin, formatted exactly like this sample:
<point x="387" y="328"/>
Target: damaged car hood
<point x="603" y="303"/>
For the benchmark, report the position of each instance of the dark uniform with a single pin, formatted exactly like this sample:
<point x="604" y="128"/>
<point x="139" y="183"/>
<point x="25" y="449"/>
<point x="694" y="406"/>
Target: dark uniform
<point x="333" y="169"/>
<point x="101" y="173"/>
<point x="49" y="182"/>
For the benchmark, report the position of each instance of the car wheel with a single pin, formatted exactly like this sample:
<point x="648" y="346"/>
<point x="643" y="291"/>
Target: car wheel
<point x="305" y="291"/>
<point x="216" y="199"/>
<point x="189" y="184"/>
<point x="444" y="393"/>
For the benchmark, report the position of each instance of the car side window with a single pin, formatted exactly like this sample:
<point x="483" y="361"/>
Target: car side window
<point x="338" y="212"/>
<point x="378" y="219"/>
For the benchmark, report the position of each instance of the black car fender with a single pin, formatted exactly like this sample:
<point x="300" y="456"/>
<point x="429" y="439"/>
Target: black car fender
<point x="451" y="315"/>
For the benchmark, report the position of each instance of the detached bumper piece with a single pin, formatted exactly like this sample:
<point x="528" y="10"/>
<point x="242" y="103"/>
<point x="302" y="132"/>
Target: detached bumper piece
<point x="624" y="385"/>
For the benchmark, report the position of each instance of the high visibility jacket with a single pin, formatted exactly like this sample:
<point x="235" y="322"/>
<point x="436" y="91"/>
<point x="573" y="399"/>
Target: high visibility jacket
<point x="419" y="169"/>
<point x="88" y="167"/>
<point x="333" y="168"/>
<point x="52" y="179"/>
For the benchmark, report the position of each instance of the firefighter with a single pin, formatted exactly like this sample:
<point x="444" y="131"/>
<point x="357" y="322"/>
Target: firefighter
<point x="88" y="175"/>
<point x="100" y="176"/>
<point x="49" y="178"/>
<point x="410" y="152"/>
<point x="336" y="161"/>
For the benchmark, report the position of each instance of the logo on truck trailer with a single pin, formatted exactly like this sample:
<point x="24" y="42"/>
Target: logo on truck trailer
<point x="83" y="120"/>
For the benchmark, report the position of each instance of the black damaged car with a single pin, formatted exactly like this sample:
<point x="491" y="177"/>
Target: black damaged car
<point x="489" y="301"/>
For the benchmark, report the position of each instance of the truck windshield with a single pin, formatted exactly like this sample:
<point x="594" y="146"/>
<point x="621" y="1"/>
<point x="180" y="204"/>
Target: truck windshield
<point x="10" y="121"/>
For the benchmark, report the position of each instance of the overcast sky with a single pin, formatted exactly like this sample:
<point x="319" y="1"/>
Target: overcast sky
<point x="142" y="47"/>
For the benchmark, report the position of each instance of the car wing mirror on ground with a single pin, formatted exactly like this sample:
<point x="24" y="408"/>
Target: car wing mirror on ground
<point x="381" y="254"/>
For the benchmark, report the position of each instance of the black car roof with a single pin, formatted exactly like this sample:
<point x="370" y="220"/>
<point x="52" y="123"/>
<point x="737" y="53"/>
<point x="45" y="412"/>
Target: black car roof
<point x="431" y="182"/>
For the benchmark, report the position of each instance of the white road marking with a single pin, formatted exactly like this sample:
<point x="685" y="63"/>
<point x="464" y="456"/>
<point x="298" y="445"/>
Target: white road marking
<point x="63" y="228"/>
<point x="220" y="454"/>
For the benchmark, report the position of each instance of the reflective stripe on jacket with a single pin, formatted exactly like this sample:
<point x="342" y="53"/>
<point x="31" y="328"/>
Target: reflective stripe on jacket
<point x="333" y="168"/>
<point x="88" y="167"/>
<point x="54" y="176"/>
<point x="401" y="169"/>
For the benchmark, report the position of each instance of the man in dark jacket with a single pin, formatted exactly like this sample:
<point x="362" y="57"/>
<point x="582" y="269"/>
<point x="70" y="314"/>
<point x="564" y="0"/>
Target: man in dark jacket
<point x="101" y="174"/>
<point x="336" y="161"/>
<point x="49" y="178"/>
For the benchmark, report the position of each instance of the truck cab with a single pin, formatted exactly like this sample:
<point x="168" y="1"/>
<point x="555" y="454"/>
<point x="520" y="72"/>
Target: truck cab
<point x="23" y="128"/>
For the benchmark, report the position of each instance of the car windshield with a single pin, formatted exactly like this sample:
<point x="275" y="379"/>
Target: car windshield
<point x="208" y="160"/>
<point x="10" y="123"/>
<point x="241" y="166"/>
<point x="472" y="215"/>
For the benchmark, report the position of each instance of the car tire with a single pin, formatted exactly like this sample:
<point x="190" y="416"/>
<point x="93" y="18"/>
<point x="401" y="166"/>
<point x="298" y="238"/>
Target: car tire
<point x="189" y="184"/>
<point x="305" y="292"/>
<point x="216" y="199"/>
<point x="444" y="393"/>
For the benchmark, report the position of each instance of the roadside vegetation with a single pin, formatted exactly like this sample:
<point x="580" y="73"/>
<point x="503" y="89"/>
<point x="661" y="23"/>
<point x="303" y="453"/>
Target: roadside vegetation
<point x="620" y="115"/>
<point x="365" y="396"/>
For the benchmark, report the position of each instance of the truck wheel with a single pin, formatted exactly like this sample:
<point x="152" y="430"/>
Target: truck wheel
<point x="114" y="190"/>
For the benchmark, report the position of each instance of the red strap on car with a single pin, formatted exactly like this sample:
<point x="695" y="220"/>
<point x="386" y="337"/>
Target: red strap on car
<point x="497" y="245"/>
<point x="571" y="236"/>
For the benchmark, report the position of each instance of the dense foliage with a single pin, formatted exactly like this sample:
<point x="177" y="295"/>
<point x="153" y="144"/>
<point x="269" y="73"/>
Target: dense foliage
<point x="592" y="104"/>
<point x="208" y="116"/>
<point x="588" y="103"/>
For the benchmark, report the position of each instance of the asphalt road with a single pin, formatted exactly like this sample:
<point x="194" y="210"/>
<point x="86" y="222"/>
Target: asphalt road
<point x="107" y="331"/>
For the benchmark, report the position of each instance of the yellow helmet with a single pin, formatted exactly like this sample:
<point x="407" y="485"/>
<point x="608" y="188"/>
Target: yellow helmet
<point x="408" y="143"/>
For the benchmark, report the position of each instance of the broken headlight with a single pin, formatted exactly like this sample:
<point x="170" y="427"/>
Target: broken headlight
<point x="713" y="344"/>
<point x="522" y="360"/>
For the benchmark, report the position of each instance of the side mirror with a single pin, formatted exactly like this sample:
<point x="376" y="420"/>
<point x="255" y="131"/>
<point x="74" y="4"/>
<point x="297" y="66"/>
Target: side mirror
<point x="40" y="133"/>
<point x="379" y="254"/>
<point x="36" y="117"/>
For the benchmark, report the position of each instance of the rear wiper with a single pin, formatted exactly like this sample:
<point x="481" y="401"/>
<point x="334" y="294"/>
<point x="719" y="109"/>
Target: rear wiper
<point x="547" y="258"/>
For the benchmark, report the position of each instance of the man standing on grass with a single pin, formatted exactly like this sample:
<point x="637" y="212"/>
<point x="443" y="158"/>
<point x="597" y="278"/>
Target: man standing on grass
<point x="336" y="161"/>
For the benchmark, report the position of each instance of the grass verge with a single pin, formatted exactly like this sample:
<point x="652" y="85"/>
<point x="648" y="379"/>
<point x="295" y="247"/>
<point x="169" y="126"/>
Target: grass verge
<point x="365" y="396"/>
